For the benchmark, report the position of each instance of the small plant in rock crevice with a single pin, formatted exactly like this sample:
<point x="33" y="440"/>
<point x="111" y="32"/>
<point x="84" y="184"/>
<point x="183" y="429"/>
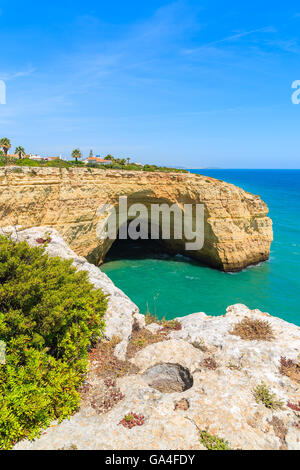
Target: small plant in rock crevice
<point x="233" y="366"/>
<point x="280" y="430"/>
<point x="200" y="345"/>
<point x="263" y="395"/>
<point x="290" y="368"/>
<point x="42" y="241"/>
<point x="212" y="442"/>
<point x="166" y="324"/>
<point x="174" y="325"/>
<point x="209" y="363"/>
<point x="105" y="401"/>
<point x="132" y="419"/>
<point x="294" y="406"/>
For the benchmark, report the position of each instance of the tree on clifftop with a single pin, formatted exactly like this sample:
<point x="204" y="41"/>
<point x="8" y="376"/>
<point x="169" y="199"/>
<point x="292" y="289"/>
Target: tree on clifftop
<point x="76" y="154"/>
<point x="5" y="144"/>
<point x="20" y="152"/>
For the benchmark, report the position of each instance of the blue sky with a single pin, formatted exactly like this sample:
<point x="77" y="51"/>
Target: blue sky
<point x="190" y="83"/>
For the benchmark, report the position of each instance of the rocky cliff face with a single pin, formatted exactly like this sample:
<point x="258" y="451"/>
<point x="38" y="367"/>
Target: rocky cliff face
<point x="237" y="230"/>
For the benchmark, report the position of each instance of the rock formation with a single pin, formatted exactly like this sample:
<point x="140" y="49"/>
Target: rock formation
<point x="74" y="201"/>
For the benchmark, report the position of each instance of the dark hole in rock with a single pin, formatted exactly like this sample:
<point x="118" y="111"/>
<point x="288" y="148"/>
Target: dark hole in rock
<point x="168" y="378"/>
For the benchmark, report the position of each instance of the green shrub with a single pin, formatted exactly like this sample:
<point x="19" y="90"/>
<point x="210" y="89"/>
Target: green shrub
<point x="24" y="162"/>
<point x="263" y="395"/>
<point x="49" y="317"/>
<point x="213" y="442"/>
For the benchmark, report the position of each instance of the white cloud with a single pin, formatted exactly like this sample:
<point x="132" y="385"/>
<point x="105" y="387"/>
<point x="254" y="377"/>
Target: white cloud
<point x="232" y="38"/>
<point x="21" y="73"/>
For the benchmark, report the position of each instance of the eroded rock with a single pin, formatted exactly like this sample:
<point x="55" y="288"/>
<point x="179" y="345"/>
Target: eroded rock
<point x="77" y="202"/>
<point x="168" y="378"/>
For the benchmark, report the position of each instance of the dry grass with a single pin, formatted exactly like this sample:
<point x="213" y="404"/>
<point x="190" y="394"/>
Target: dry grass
<point x="103" y="396"/>
<point x="250" y="329"/>
<point x="280" y="430"/>
<point x="200" y="345"/>
<point x="290" y="368"/>
<point x="105" y="401"/>
<point x="104" y="363"/>
<point x="150" y="318"/>
<point x="209" y="363"/>
<point x="166" y="324"/>
<point x="106" y="366"/>
<point x="171" y="325"/>
<point x="142" y="338"/>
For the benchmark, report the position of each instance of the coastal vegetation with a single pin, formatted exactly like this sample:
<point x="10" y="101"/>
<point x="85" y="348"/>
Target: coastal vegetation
<point x="50" y="315"/>
<point x="76" y="155"/>
<point x="6" y="161"/>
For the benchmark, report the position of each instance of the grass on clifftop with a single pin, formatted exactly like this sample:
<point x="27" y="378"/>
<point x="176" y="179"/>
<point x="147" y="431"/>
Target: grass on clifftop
<point x="50" y="315"/>
<point x="252" y="329"/>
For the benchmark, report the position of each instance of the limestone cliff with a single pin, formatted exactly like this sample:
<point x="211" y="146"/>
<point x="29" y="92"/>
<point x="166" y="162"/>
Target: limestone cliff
<point x="237" y="230"/>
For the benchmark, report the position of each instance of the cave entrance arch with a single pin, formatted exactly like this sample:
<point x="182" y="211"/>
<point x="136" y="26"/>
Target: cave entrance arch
<point x="174" y="242"/>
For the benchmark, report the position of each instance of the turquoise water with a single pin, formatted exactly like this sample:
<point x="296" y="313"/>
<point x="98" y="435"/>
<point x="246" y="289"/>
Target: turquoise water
<point x="174" y="286"/>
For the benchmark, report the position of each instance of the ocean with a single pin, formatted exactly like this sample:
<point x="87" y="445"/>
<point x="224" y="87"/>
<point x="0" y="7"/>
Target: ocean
<point x="175" y="286"/>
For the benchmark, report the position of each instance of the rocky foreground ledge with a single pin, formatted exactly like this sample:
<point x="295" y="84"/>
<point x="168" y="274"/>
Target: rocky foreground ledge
<point x="206" y="383"/>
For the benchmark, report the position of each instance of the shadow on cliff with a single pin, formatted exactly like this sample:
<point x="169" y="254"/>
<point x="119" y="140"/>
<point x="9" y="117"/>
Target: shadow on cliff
<point x="144" y="249"/>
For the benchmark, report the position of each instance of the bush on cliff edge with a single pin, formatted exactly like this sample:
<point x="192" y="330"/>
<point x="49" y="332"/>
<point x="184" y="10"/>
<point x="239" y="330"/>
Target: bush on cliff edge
<point x="49" y="316"/>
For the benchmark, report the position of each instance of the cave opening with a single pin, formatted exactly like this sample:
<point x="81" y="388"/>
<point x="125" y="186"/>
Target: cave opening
<point x="137" y="249"/>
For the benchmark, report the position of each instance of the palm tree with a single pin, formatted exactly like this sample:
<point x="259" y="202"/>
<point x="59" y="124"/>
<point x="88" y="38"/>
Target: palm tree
<point x="128" y="160"/>
<point x="5" y="145"/>
<point x="20" y="151"/>
<point x="109" y="157"/>
<point x="76" y="154"/>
